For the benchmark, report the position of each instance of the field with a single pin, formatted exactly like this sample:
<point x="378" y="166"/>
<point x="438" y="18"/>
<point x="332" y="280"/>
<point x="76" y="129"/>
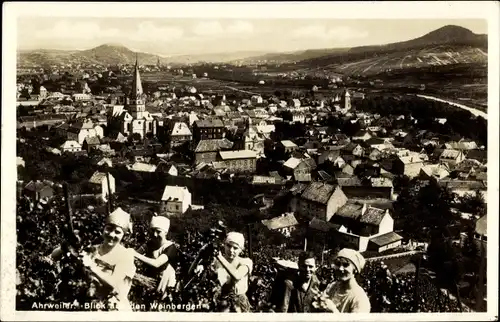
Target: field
<point x="463" y="83"/>
<point x="416" y="58"/>
<point x="208" y="85"/>
<point x="448" y="75"/>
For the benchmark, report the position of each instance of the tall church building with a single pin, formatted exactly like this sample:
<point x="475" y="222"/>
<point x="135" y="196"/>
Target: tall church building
<point x="134" y="118"/>
<point x="345" y="102"/>
<point x="342" y="104"/>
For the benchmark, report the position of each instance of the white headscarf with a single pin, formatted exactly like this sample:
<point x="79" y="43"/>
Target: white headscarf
<point x="160" y="222"/>
<point x="236" y="238"/>
<point x="354" y="256"/>
<point x="120" y="218"/>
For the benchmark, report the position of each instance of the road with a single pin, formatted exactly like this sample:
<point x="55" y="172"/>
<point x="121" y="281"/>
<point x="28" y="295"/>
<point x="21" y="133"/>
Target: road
<point x="474" y="111"/>
<point x="240" y="90"/>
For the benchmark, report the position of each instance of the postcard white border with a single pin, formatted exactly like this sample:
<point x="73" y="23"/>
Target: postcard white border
<point x="488" y="10"/>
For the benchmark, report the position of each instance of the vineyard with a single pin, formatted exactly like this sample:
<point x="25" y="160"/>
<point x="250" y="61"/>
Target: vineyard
<point x="41" y="227"/>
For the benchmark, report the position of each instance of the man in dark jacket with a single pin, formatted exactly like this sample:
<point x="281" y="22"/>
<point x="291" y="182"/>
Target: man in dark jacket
<point x="298" y="291"/>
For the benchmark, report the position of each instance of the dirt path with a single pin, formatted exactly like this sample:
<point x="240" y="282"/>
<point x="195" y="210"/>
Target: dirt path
<point x="240" y="90"/>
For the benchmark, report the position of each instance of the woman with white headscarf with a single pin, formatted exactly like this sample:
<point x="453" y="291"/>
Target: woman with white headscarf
<point x="161" y="255"/>
<point x="345" y="295"/>
<point x="232" y="273"/>
<point x="111" y="264"/>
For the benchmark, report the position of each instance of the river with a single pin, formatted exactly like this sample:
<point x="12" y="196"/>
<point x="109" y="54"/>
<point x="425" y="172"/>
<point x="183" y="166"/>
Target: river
<point x="474" y="111"/>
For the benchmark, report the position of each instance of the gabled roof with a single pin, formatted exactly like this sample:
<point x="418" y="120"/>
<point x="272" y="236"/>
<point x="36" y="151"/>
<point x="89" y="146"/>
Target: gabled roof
<point x="97" y="177"/>
<point x="374" y="141"/>
<point x="180" y="128"/>
<point x="311" y="164"/>
<point x="298" y="188"/>
<point x="349" y="147"/>
<point x="213" y="145"/>
<point x="353" y="181"/>
<point x="386" y="239"/>
<point x="70" y="144"/>
<point x="322" y="225"/>
<point x="319" y="192"/>
<point x="92" y="140"/>
<point x="303" y="177"/>
<point x="435" y="170"/>
<point x="238" y="154"/>
<point x="285" y="221"/>
<point x="350" y="210"/>
<point x="174" y="193"/>
<point x="209" y="123"/>
<point x="292" y="163"/>
<point x="462" y="145"/>
<point x="36" y="186"/>
<point x="450" y="154"/>
<point x="381" y="182"/>
<point x="140" y="166"/>
<point x="361" y="133"/>
<point x="463" y="185"/>
<point x="340" y="137"/>
<point x="288" y="144"/>
<point x="410" y="159"/>
<point x="105" y="161"/>
<point x="324" y="175"/>
<point x="372" y="216"/>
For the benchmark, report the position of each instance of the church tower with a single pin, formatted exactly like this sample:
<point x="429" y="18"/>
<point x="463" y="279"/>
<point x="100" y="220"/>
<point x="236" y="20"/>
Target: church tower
<point x="346" y="100"/>
<point x="136" y="104"/>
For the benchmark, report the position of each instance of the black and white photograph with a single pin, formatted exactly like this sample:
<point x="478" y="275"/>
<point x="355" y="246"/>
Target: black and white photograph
<point x="191" y="158"/>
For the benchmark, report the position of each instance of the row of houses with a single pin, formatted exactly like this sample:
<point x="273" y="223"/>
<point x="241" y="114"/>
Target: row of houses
<point x="351" y="223"/>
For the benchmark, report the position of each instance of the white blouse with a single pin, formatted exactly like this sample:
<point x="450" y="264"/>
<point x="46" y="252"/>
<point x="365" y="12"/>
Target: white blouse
<point x="240" y="287"/>
<point x="353" y="300"/>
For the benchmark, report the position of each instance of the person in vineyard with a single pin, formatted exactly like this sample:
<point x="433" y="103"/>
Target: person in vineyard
<point x="161" y="255"/>
<point x="233" y="273"/>
<point x="345" y="295"/>
<point x="110" y="265"/>
<point x="299" y="291"/>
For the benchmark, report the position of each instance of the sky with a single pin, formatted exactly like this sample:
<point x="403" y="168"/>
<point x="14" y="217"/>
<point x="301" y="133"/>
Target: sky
<point x="175" y="36"/>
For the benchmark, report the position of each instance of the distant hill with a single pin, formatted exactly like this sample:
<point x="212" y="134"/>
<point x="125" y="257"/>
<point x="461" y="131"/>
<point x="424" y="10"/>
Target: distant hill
<point x="112" y="54"/>
<point x="212" y="58"/>
<point x="447" y="45"/>
<point x="107" y="54"/>
<point x="449" y="35"/>
<point x="290" y="57"/>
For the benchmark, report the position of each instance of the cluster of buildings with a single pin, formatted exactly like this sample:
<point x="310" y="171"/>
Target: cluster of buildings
<point x="341" y="183"/>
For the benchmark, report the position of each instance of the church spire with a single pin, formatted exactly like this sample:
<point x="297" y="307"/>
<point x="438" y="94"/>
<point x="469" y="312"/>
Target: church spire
<point x="136" y="81"/>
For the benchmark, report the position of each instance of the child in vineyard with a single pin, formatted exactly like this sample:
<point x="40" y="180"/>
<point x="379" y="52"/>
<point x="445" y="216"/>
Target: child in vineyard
<point x="233" y="272"/>
<point x="161" y="255"/>
<point x="110" y="264"/>
<point x="345" y="295"/>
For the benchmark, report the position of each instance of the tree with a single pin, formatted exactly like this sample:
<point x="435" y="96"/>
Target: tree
<point x="473" y="203"/>
<point x="422" y="208"/>
<point x="135" y="137"/>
